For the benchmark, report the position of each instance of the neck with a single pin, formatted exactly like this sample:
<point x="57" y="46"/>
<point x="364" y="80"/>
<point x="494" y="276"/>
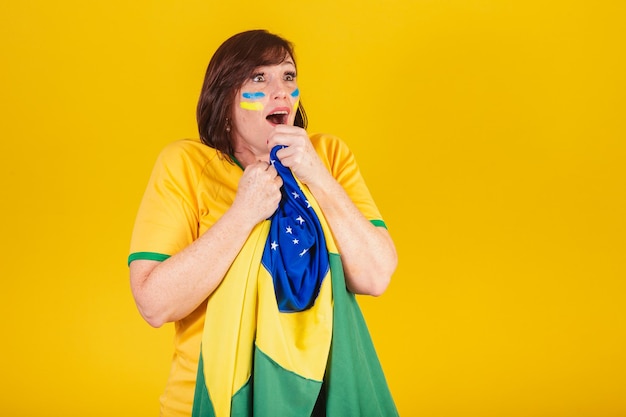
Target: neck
<point x="248" y="156"/>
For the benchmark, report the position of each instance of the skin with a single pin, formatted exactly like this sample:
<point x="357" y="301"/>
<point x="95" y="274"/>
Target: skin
<point x="170" y="290"/>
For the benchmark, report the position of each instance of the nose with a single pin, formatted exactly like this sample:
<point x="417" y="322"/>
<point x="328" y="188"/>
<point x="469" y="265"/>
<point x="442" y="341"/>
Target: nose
<point x="279" y="90"/>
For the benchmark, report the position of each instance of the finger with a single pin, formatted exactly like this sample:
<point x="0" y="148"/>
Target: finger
<point x="287" y="129"/>
<point x="262" y="165"/>
<point x="271" y="169"/>
<point x="286" y="153"/>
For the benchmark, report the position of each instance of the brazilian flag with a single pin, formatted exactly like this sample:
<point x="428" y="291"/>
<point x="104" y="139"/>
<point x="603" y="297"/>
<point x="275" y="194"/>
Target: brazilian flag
<point x="282" y="336"/>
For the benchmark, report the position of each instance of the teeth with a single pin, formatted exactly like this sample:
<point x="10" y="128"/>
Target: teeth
<point x="279" y="112"/>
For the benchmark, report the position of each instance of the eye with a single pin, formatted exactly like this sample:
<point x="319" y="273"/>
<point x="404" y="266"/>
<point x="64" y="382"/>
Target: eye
<point x="258" y="78"/>
<point x="290" y="76"/>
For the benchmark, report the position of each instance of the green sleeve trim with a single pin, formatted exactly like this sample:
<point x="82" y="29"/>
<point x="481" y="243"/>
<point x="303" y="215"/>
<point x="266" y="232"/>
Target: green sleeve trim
<point x="378" y="223"/>
<point x="147" y="256"/>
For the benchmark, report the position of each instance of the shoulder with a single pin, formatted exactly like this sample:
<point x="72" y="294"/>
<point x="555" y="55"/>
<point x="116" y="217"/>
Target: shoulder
<point x="188" y="155"/>
<point x="330" y="147"/>
<point x="332" y="150"/>
<point x="191" y="150"/>
<point x="326" y="141"/>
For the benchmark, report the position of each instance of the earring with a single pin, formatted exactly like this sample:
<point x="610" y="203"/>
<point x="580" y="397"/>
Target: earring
<point x="227" y="125"/>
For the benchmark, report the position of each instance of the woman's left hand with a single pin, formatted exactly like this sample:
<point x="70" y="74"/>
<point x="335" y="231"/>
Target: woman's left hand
<point x="368" y="253"/>
<point x="299" y="154"/>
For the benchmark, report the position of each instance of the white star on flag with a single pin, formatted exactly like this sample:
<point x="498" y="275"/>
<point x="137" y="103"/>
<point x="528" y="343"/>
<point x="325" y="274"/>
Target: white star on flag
<point x="295" y="195"/>
<point x="300" y="219"/>
<point x="308" y="205"/>
<point x="303" y="252"/>
<point x="274" y="245"/>
<point x="295" y="241"/>
<point x="288" y="230"/>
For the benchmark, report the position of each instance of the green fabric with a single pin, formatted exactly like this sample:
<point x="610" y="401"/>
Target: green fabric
<point x="296" y="397"/>
<point x="241" y="405"/>
<point x="356" y="385"/>
<point x="148" y="256"/>
<point x="202" y="406"/>
<point x="378" y="223"/>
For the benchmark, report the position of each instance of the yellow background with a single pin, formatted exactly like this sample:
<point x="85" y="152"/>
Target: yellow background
<point x="491" y="134"/>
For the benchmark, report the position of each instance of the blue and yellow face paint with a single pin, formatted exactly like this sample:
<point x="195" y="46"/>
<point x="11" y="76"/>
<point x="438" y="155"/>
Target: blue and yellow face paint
<point x="256" y="106"/>
<point x="252" y="105"/>
<point x="296" y="94"/>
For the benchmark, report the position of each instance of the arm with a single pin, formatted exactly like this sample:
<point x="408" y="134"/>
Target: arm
<point x="170" y="290"/>
<point x="368" y="252"/>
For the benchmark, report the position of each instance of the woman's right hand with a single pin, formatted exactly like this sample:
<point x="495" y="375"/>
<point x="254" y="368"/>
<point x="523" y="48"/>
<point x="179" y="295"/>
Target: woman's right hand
<point x="258" y="194"/>
<point x="170" y="290"/>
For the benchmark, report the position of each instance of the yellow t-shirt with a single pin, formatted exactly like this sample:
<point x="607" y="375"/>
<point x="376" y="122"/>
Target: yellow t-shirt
<point x="190" y="188"/>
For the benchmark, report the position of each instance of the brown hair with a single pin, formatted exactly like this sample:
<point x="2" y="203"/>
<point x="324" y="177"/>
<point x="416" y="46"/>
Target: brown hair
<point x="231" y="65"/>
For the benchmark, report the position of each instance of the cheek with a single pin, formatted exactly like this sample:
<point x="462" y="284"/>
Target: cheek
<point x="295" y="94"/>
<point x="253" y="106"/>
<point x="253" y="96"/>
<point x="252" y="100"/>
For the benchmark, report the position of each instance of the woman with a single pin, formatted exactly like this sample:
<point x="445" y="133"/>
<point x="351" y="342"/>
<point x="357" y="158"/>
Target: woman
<point x="257" y="332"/>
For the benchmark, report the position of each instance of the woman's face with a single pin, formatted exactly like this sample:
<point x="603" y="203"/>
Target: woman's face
<point x="268" y="98"/>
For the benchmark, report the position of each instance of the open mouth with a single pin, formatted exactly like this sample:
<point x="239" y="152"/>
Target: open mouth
<point x="278" y="118"/>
